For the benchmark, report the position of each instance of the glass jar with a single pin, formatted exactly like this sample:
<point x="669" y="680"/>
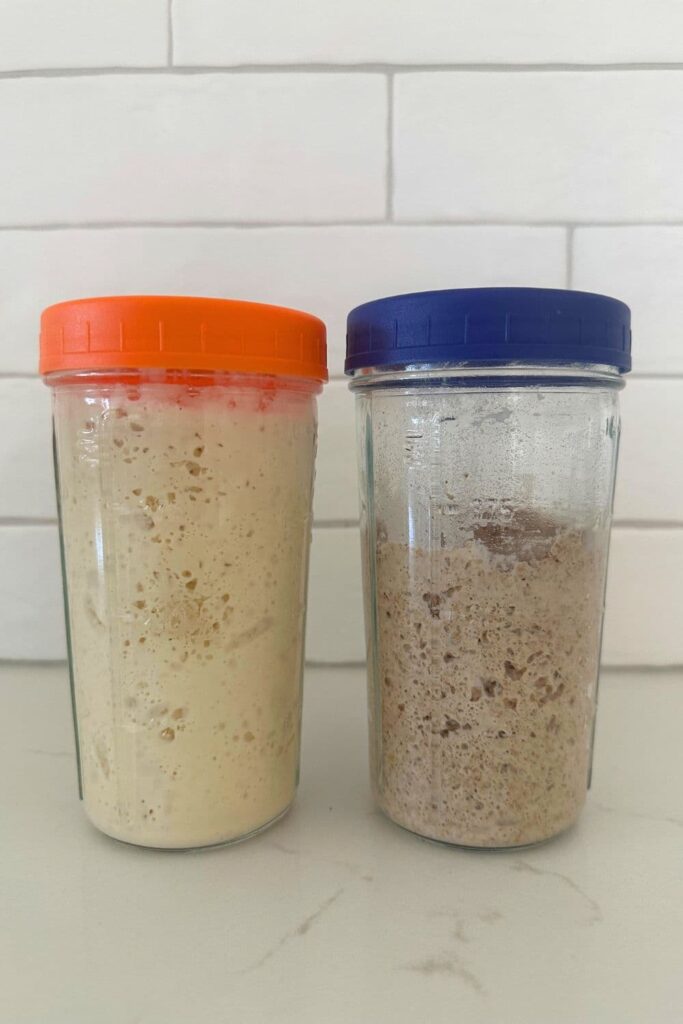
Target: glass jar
<point x="488" y="425"/>
<point x="185" y="434"/>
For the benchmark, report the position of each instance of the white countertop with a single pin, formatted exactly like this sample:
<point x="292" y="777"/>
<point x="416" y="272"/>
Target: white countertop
<point x="335" y="915"/>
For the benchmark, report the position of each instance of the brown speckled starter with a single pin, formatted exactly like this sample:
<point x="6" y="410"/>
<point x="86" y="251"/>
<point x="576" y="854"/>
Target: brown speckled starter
<point x="487" y="664"/>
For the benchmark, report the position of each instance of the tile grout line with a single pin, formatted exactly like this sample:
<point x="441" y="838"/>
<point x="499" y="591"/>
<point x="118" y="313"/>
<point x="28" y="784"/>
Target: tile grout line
<point x="14" y="521"/>
<point x="312" y="225"/>
<point x="647" y="525"/>
<point x="33" y="662"/>
<point x="219" y="225"/>
<point x="389" y="210"/>
<point x="169" y="30"/>
<point x="322" y="67"/>
<point x="569" y="255"/>
<point x="638" y="375"/>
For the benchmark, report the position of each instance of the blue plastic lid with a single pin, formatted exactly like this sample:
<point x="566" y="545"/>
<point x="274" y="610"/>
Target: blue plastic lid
<point x="490" y="326"/>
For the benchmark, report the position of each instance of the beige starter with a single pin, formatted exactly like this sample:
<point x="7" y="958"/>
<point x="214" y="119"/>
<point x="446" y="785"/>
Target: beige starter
<point x="186" y="526"/>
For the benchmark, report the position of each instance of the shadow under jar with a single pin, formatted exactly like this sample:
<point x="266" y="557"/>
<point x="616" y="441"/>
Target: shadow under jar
<point x="185" y="437"/>
<point x="488" y="426"/>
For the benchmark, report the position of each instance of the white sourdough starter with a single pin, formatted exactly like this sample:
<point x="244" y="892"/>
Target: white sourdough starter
<point x="485" y="690"/>
<point x="186" y="525"/>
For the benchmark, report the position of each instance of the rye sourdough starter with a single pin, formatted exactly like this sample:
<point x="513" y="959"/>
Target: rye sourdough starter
<point x="487" y="663"/>
<point x="186" y="525"/>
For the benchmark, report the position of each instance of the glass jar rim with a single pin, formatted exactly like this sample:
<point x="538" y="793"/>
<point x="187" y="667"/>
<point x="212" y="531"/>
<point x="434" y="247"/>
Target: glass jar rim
<point x="479" y="375"/>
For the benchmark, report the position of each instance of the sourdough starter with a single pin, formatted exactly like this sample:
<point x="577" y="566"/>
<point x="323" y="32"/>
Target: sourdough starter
<point x="486" y="671"/>
<point x="186" y="526"/>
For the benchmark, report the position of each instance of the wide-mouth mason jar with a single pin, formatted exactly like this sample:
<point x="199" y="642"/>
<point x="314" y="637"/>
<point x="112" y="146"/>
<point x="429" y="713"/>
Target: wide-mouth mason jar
<point x="488" y="426"/>
<point x="185" y="434"/>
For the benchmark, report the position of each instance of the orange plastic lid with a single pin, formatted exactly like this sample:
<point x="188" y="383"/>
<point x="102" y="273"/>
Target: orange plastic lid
<point x="173" y="332"/>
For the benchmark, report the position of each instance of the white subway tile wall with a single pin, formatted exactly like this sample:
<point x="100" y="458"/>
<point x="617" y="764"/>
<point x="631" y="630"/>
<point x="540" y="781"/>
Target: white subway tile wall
<point x="646" y="264"/>
<point x="28" y="490"/>
<point x="193" y="148"/>
<point x="46" y="34"/>
<point x="31" y="593"/>
<point x="539" y="146"/>
<point x="426" y="31"/>
<point x="354" y="150"/>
